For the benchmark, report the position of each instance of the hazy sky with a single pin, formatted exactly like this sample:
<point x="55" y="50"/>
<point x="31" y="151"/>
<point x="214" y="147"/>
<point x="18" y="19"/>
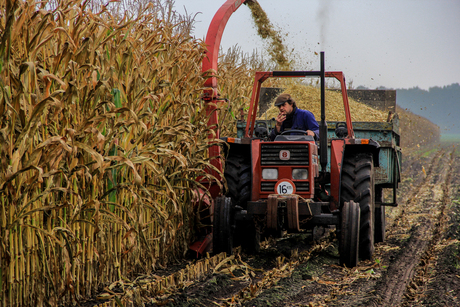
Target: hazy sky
<point x="391" y="43"/>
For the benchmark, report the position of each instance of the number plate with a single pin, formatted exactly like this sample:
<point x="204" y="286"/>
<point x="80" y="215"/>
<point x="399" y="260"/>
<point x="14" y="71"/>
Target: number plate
<point x="285" y="186"/>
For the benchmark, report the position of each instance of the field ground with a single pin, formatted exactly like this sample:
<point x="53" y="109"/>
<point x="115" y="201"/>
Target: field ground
<point x="417" y="265"/>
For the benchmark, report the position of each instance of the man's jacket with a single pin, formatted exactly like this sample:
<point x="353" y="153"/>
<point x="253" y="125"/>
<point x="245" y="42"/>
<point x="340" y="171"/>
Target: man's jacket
<point x="302" y="120"/>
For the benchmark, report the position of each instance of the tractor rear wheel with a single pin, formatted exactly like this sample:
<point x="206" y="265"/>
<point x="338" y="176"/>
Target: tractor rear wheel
<point x="349" y="234"/>
<point x="358" y="185"/>
<point x="222" y="233"/>
<point x="380" y="219"/>
<point x="238" y="175"/>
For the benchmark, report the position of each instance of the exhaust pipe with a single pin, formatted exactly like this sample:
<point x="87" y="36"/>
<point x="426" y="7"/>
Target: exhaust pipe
<point x="323" y="124"/>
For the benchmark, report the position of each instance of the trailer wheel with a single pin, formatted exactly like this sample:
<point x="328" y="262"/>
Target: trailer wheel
<point x="358" y="185"/>
<point x="238" y="175"/>
<point x="222" y="234"/>
<point x="349" y="234"/>
<point x="380" y="219"/>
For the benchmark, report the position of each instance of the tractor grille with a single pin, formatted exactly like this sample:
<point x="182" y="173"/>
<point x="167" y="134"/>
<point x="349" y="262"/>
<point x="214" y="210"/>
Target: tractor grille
<point x="270" y="154"/>
<point x="267" y="186"/>
<point x="302" y="186"/>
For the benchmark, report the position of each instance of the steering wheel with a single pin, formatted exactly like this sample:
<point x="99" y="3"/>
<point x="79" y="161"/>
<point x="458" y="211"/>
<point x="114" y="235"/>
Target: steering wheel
<point x="298" y="131"/>
<point x="294" y="131"/>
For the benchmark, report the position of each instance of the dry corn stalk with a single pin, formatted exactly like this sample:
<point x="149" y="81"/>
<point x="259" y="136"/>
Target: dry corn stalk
<point x="103" y="134"/>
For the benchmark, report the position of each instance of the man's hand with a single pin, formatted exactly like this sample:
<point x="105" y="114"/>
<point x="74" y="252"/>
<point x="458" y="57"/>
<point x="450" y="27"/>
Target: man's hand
<point x="279" y="121"/>
<point x="309" y="132"/>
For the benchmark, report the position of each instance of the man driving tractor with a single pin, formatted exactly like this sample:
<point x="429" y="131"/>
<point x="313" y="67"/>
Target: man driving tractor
<point x="293" y="118"/>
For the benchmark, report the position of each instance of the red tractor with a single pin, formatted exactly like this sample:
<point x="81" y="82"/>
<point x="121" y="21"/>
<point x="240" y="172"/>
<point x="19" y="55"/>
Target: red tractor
<point x="295" y="182"/>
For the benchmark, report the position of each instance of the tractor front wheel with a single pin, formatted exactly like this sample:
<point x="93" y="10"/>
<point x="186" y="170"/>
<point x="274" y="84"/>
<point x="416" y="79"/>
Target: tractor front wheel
<point x="250" y="238"/>
<point x="349" y="234"/>
<point x="222" y="233"/>
<point x="358" y="185"/>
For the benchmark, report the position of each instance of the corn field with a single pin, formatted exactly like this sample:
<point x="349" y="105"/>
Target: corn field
<point x="103" y="134"/>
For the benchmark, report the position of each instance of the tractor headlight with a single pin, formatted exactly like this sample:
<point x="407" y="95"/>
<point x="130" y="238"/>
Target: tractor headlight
<point x="299" y="173"/>
<point x="270" y="173"/>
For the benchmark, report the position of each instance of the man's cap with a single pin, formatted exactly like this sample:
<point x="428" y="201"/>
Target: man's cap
<point x="282" y="99"/>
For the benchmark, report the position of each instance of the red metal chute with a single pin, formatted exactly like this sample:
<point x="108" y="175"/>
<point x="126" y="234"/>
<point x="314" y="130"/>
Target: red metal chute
<point x="210" y="95"/>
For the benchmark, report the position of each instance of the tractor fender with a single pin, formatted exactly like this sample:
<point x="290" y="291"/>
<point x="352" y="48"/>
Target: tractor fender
<point x="235" y="145"/>
<point x="355" y="147"/>
<point x="341" y="148"/>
